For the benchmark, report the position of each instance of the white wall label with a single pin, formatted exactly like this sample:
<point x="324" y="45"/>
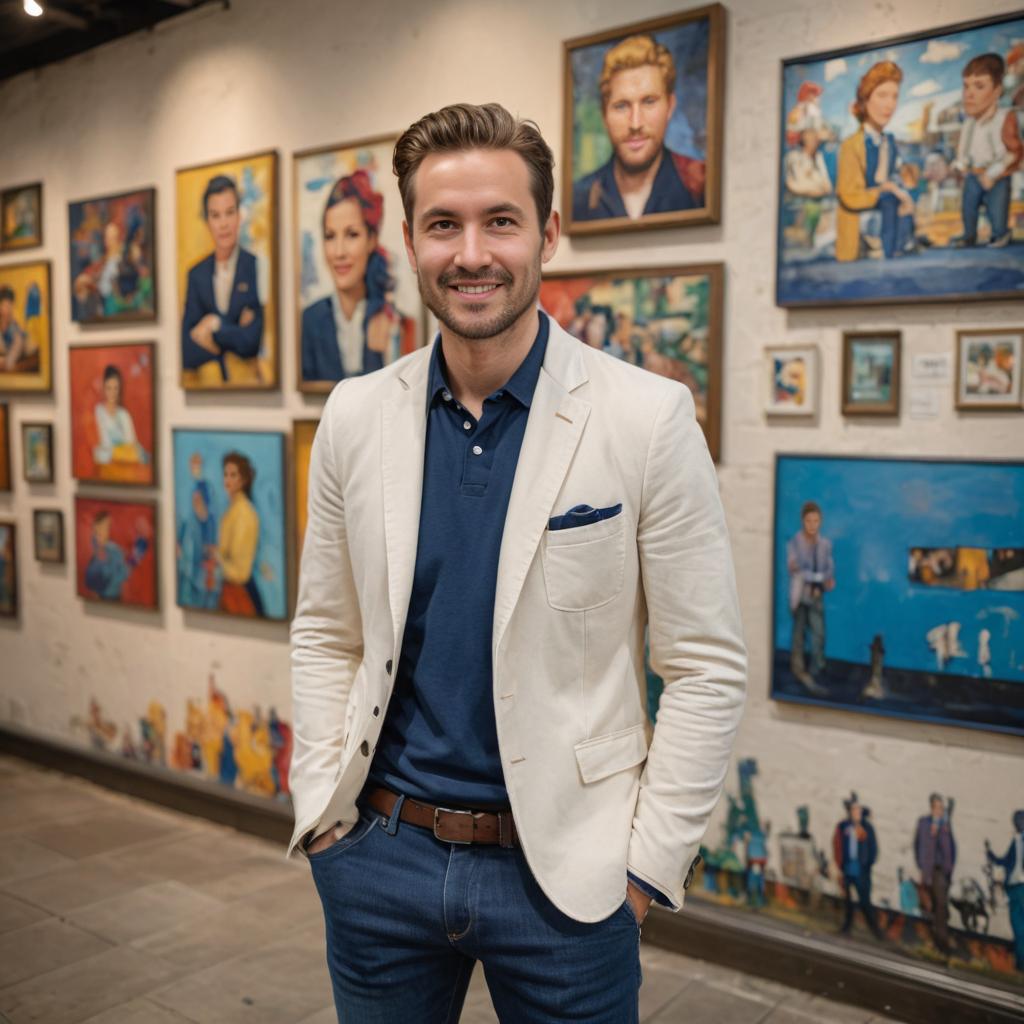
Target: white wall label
<point x="924" y="404"/>
<point x="933" y="367"/>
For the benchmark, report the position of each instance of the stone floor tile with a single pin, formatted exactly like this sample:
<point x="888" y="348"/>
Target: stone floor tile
<point x="292" y="903"/>
<point x="20" y="857"/>
<point x="328" y="1016"/>
<point x="143" y="911"/>
<point x="83" y="989"/>
<point x="140" y="1011"/>
<point x="42" y="947"/>
<point x="15" y="913"/>
<point x="26" y="807"/>
<point x="241" y="878"/>
<point x="273" y="986"/>
<point x="114" y="829"/>
<point x="83" y="883"/>
<point x="824" y="1010"/>
<point x="660" y="986"/>
<point x="209" y="940"/>
<point x="699" y="1003"/>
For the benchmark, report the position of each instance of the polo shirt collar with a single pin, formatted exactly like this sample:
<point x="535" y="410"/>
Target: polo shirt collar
<point x="521" y="385"/>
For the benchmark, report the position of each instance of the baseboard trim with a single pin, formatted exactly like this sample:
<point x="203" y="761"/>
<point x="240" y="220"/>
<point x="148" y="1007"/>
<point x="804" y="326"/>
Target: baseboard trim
<point x="886" y="984"/>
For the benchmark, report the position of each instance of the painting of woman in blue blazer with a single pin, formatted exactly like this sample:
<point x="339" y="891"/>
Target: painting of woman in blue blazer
<point x="356" y="328"/>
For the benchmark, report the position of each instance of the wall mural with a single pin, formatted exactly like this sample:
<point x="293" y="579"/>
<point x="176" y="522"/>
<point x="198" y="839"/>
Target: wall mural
<point x="238" y="746"/>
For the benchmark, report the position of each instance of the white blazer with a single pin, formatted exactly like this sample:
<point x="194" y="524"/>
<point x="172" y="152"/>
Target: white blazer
<point x="591" y="798"/>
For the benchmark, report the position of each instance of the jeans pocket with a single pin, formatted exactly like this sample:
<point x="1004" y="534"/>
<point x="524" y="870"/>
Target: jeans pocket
<point x="627" y="908"/>
<point x="356" y="834"/>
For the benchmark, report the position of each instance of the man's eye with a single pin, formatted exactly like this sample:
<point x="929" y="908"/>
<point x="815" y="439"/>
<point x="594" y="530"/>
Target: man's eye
<point x="503" y="222"/>
<point x="442" y="225"/>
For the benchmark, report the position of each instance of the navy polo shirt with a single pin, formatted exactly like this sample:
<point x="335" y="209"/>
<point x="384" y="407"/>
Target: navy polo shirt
<point x="439" y="741"/>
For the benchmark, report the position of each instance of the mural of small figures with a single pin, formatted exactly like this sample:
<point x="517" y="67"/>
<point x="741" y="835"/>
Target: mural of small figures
<point x="153" y="727"/>
<point x="101" y="732"/>
<point x="1012" y="863"/>
<point x="803" y="865"/>
<point x="935" y="854"/>
<point x="910" y="900"/>
<point x="855" y="850"/>
<point x="811" y="575"/>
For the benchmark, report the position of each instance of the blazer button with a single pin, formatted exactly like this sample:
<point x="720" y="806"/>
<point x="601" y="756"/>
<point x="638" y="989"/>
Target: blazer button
<point x="364" y="748"/>
<point x="376" y="712"/>
<point x="387" y="667"/>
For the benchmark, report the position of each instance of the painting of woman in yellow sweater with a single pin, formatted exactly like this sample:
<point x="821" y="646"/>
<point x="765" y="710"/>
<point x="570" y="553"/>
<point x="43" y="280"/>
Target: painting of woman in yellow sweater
<point x="231" y="540"/>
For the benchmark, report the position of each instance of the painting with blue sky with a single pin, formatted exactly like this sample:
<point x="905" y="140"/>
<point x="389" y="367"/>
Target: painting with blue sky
<point x="913" y="585"/>
<point x="916" y="192"/>
<point x="229" y="521"/>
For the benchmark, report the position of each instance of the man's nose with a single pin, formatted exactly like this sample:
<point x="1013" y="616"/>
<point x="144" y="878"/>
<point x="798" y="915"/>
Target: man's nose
<point x="635" y="122"/>
<point x="474" y="252"/>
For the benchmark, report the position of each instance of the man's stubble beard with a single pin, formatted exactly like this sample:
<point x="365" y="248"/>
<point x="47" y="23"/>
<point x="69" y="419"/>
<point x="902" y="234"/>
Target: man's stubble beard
<point x="642" y="167"/>
<point x="518" y="300"/>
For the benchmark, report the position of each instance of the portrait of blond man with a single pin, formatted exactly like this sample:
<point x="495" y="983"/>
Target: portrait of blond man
<point x="638" y="86"/>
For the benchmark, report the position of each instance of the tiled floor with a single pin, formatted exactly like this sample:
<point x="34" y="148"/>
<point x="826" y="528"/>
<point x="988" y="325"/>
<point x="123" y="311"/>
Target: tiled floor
<point x="113" y="911"/>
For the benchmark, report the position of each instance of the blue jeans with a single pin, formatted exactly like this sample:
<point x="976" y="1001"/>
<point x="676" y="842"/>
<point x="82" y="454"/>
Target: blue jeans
<point x="996" y="201"/>
<point x="408" y="916"/>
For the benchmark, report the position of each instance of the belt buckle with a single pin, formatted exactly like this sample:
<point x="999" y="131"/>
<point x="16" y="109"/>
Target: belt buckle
<point x="450" y="810"/>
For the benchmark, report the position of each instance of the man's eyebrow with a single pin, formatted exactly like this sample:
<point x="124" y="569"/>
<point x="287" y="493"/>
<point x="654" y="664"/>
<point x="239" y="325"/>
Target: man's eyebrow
<point x="437" y="213"/>
<point x="491" y="211"/>
<point x="441" y="213"/>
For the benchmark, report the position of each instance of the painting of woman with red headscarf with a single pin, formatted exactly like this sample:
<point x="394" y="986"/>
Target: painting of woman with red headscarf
<point x="356" y="327"/>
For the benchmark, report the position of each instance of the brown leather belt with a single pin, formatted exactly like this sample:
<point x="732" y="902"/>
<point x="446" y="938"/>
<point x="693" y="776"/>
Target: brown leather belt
<point x="447" y="824"/>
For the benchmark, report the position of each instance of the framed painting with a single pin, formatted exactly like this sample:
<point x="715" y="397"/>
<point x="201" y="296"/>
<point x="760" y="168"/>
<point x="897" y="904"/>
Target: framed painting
<point x="37" y="452"/>
<point x="353" y="280"/>
<point x="113" y="415"/>
<point x="303" y="432"/>
<point x="898" y="588"/>
<point x="21" y="217"/>
<point x="8" y="570"/>
<point x="871" y="373"/>
<point x="666" y="319"/>
<point x="988" y="369"/>
<point x="112" y="255"/>
<point x="792" y="380"/>
<point x="229" y="521"/>
<point x="643" y="124"/>
<point x="897" y="166"/>
<point x="227" y="274"/>
<point x="48" y="535"/>
<point x="115" y="551"/>
<point x="25" y="327"/>
<point x="6" y="480"/>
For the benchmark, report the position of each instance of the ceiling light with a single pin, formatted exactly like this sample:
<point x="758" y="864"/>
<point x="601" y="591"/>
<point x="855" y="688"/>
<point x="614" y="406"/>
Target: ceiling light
<point x="33" y="8"/>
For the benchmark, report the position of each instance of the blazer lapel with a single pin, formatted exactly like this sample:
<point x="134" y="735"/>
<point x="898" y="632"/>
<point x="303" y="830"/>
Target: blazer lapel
<point x="404" y="443"/>
<point x="553" y="431"/>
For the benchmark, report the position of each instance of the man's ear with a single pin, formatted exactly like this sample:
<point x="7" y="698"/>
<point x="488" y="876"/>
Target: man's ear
<point x="409" y="251"/>
<point x="552" y="232"/>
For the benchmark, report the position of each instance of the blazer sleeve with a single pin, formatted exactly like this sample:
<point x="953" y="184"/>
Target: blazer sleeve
<point x="192" y="355"/>
<point x="696" y="645"/>
<point x="327" y="631"/>
<point x="851" y="185"/>
<point x="244" y="341"/>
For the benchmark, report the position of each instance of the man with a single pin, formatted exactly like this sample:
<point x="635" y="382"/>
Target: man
<point x="990" y="149"/>
<point x="222" y="327"/>
<point x="1012" y="862"/>
<point x="469" y="773"/>
<point x="643" y="176"/>
<point x="811" y="574"/>
<point x="109" y="568"/>
<point x="935" y="853"/>
<point x="855" y="850"/>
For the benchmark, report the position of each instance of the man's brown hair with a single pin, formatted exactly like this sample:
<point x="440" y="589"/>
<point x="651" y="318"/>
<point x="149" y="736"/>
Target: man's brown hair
<point x="990" y="64"/>
<point x="637" y="52"/>
<point x="876" y="75"/>
<point x="464" y="126"/>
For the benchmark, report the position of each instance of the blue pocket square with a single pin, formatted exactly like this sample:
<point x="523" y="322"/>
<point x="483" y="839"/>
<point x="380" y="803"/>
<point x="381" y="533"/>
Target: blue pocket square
<point x="583" y="515"/>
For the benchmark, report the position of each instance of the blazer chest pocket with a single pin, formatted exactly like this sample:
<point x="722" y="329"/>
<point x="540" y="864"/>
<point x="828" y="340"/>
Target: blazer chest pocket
<point x="584" y="566"/>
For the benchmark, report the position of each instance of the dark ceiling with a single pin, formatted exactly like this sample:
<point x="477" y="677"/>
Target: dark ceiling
<point x="68" y="27"/>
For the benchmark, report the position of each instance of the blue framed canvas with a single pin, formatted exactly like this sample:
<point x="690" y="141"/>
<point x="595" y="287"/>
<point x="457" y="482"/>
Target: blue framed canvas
<point x="898" y="588"/>
<point x="229" y="521"/>
<point x="900" y="170"/>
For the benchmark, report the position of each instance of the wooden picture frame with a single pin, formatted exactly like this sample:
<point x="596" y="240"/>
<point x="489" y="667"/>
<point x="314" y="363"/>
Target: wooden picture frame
<point x="112" y="256"/>
<point x="21" y="217"/>
<point x="316" y="173"/>
<point x="871" y="373"/>
<point x="989" y="367"/>
<point x="250" y="359"/>
<point x="54" y="553"/>
<point x="26" y="323"/>
<point x="686" y="188"/>
<point x="36" y="444"/>
<point x="8" y="569"/>
<point x="686" y="305"/>
<point x="113" y="437"/>
<point x="6" y="477"/>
